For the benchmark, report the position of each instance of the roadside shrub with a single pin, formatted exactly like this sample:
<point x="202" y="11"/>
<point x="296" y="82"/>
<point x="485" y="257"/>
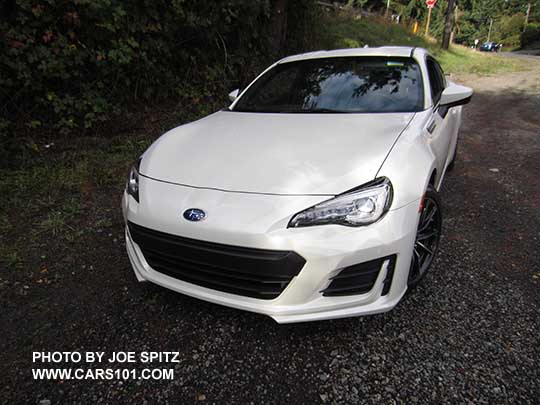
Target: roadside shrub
<point x="509" y="30"/>
<point x="511" y="42"/>
<point x="74" y="61"/>
<point x="530" y="35"/>
<point x="68" y="65"/>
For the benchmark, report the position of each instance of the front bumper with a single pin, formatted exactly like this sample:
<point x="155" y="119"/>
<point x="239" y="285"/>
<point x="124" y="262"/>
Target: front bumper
<point x="326" y="249"/>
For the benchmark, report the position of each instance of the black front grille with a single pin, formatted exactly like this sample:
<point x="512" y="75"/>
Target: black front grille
<point x="256" y="273"/>
<point x="360" y="278"/>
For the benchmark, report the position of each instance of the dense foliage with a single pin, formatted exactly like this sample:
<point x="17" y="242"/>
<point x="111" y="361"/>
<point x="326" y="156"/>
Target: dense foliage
<point x="472" y="18"/>
<point x="67" y="65"/>
<point x="531" y="35"/>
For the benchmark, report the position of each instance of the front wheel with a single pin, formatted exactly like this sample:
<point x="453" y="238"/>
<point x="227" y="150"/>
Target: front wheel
<point x="427" y="237"/>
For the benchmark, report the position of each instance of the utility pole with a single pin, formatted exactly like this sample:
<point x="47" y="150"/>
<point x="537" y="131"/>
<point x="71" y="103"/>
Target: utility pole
<point x="490" y="25"/>
<point x="448" y="25"/>
<point x="527" y="16"/>
<point x="428" y="21"/>
<point x="430" y="4"/>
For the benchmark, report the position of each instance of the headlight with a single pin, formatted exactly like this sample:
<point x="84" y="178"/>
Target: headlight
<point x="132" y="185"/>
<point x="362" y="206"/>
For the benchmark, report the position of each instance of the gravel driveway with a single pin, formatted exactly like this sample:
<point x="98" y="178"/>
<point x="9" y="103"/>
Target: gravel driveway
<point x="469" y="333"/>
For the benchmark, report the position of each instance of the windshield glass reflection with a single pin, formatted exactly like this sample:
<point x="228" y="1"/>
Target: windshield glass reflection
<point x="345" y="84"/>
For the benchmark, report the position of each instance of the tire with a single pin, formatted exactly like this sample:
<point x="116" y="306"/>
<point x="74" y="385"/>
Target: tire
<point x="427" y="238"/>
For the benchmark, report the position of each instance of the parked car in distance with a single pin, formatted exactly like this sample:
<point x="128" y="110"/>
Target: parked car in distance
<point x="314" y="195"/>
<point x="489" y="47"/>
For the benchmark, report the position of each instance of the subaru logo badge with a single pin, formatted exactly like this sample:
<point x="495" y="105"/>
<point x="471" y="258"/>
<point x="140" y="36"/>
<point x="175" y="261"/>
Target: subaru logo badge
<point x="194" y="214"/>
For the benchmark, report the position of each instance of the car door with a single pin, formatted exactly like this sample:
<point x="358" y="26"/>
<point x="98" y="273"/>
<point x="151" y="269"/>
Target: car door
<point x="438" y="128"/>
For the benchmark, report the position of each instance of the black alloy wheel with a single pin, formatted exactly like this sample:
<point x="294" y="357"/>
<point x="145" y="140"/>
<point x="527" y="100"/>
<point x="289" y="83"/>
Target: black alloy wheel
<point x="427" y="237"/>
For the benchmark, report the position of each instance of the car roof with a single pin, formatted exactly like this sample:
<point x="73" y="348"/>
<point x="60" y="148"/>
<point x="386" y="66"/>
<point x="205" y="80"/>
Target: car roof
<point x="398" y="51"/>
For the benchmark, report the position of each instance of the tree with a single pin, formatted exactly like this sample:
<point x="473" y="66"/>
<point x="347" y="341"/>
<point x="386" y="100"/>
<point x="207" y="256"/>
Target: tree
<point x="448" y="25"/>
<point x="278" y="25"/>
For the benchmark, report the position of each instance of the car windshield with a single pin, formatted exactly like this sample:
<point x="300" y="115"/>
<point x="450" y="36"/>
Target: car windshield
<point x="337" y="85"/>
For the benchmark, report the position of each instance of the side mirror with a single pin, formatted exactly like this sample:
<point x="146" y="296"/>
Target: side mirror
<point x="455" y="95"/>
<point x="233" y="94"/>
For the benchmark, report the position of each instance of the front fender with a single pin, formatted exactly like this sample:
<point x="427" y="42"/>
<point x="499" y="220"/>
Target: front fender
<point x="410" y="164"/>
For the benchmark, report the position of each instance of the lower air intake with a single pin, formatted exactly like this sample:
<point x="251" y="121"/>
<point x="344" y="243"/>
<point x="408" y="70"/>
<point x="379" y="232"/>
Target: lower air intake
<point x="360" y="278"/>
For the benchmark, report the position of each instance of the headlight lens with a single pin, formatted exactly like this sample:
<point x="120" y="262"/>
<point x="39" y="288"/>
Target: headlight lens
<point x="362" y="206"/>
<point x="132" y="185"/>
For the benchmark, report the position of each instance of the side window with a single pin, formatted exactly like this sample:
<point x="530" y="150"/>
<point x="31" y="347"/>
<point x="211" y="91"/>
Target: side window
<point x="436" y="80"/>
<point x="441" y="74"/>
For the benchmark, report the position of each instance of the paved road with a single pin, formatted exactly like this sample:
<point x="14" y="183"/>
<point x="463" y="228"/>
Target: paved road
<point x="470" y="332"/>
<point x="533" y="54"/>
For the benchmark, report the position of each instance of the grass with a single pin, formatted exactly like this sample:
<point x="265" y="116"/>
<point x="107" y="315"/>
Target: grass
<point x="77" y="168"/>
<point x="342" y="31"/>
<point x="54" y="197"/>
<point x="53" y="224"/>
<point x="461" y="60"/>
<point x="13" y="261"/>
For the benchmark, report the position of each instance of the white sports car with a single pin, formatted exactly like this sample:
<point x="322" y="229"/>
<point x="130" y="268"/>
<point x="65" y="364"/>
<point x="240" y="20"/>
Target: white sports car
<point x="313" y="196"/>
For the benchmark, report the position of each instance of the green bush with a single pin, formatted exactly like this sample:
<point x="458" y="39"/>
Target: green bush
<point x="508" y="30"/>
<point x="72" y="62"/>
<point x="530" y="35"/>
<point x="67" y="65"/>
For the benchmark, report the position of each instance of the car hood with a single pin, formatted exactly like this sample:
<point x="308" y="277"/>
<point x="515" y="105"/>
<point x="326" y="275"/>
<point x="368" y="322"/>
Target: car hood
<point x="290" y="154"/>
